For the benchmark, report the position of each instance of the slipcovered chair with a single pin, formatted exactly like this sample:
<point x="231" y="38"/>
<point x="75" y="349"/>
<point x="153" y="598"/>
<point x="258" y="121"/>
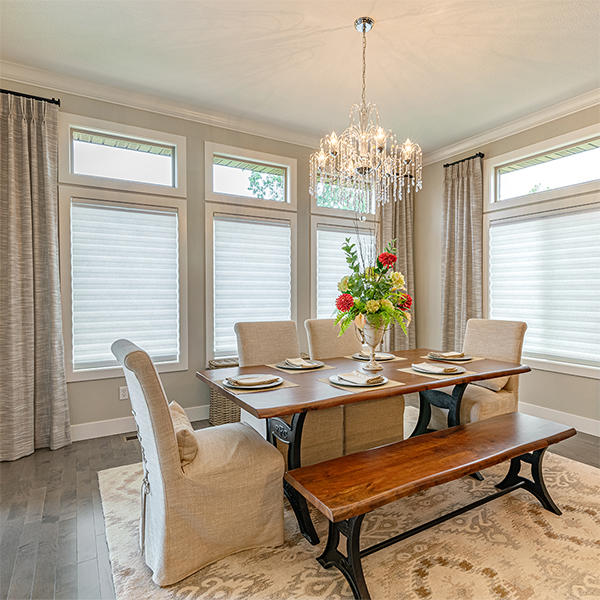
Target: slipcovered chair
<point x="366" y="424"/>
<point x="270" y="342"/>
<point x="206" y="494"/>
<point x="487" y="338"/>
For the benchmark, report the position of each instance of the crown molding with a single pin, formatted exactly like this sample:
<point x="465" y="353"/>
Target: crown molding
<point x="545" y="115"/>
<point x="76" y="86"/>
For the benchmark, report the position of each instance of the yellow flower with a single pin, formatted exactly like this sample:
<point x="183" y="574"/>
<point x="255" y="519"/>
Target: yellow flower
<point x="370" y="272"/>
<point x="385" y="303"/>
<point x="343" y="284"/>
<point x="372" y="306"/>
<point x="398" y="280"/>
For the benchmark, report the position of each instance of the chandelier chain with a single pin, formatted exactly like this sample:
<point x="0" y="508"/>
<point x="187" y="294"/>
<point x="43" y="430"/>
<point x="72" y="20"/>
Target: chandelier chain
<point x="364" y="66"/>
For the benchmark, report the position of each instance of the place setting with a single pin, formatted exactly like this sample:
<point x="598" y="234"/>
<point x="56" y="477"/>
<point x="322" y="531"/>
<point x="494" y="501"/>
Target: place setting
<point x="451" y="357"/>
<point x="300" y="365"/>
<point x="359" y="379"/>
<point x="256" y="382"/>
<point x="436" y="371"/>
<point x="365" y="355"/>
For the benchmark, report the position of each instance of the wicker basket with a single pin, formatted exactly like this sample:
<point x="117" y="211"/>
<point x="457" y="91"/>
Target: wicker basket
<point x="222" y="410"/>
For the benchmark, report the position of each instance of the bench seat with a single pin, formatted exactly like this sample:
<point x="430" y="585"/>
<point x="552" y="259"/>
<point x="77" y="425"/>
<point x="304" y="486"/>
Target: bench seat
<point x="345" y="489"/>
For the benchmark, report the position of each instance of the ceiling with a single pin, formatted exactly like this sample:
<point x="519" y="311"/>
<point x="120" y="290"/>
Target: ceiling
<point x="438" y="70"/>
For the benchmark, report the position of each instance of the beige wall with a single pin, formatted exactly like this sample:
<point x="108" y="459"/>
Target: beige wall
<point x="99" y="400"/>
<point x="576" y="395"/>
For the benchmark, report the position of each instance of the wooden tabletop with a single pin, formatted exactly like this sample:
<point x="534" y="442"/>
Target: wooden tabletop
<point x="312" y="394"/>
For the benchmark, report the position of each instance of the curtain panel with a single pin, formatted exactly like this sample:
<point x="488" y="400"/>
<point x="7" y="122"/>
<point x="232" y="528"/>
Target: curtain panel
<point x="397" y="223"/>
<point x="34" y="410"/>
<point x="462" y="249"/>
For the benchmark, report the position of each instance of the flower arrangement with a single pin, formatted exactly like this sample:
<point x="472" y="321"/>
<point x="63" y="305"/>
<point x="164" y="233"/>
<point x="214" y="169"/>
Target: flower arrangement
<point x="376" y="295"/>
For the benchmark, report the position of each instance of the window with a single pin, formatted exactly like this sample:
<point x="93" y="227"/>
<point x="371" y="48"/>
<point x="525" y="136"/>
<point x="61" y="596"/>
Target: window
<point x="560" y="168"/>
<point x="331" y="263"/>
<point x="124" y="254"/>
<point x="543" y="249"/>
<point x="327" y="199"/>
<point x="243" y="176"/>
<point x="117" y="156"/>
<point x="252" y="272"/>
<point x="545" y="270"/>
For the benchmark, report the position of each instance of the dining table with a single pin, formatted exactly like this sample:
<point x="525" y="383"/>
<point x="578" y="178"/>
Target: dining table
<point x="305" y="390"/>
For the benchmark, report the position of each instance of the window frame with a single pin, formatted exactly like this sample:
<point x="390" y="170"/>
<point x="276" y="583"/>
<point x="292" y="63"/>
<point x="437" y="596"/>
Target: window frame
<point x="342" y="223"/>
<point x="290" y="164"/>
<point x="66" y="175"/>
<point x="214" y="209"/>
<point x="558" y="201"/>
<point x="121" y="199"/>
<point x="341" y="213"/>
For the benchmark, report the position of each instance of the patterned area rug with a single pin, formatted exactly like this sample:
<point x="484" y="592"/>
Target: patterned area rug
<point x="509" y="549"/>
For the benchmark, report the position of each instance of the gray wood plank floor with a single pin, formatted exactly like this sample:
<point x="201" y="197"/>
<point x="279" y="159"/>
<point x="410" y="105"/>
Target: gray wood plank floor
<point x="52" y="541"/>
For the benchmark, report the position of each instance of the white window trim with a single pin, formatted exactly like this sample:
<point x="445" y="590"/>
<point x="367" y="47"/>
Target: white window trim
<point x="66" y="195"/>
<point x="67" y="121"/>
<point x="315" y="221"/>
<point x="491" y="164"/>
<point x="290" y="164"/>
<point x="560" y="200"/>
<point x="213" y="209"/>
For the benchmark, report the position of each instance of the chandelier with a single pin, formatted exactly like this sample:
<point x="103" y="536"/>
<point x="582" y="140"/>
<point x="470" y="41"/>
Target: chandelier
<point x="364" y="165"/>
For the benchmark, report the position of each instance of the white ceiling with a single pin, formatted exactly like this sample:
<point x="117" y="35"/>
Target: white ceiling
<point x="438" y="70"/>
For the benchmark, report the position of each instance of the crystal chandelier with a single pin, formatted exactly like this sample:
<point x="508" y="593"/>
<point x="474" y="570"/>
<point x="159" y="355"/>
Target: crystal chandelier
<point x="365" y="164"/>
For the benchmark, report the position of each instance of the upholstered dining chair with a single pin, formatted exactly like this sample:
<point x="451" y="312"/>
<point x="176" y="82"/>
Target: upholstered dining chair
<point x="488" y="338"/>
<point x="366" y="424"/>
<point x="206" y="494"/>
<point x="269" y="342"/>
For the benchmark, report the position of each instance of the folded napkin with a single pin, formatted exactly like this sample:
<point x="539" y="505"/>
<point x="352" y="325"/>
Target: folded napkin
<point x="297" y="362"/>
<point x="360" y="378"/>
<point x="446" y="354"/>
<point x="253" y="380"/>
<point x="435" y="368"/>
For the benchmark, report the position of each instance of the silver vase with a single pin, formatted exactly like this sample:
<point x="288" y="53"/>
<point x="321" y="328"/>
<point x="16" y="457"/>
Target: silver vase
<point x="371" y="337"/>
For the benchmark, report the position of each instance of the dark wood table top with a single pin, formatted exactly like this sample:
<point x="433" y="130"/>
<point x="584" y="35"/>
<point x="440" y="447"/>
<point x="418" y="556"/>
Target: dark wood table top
<point x="312" y="394"/>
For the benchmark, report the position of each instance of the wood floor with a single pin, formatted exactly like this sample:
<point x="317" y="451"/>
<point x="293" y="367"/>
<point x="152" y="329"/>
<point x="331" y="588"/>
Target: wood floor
<point x="52" y="542"/>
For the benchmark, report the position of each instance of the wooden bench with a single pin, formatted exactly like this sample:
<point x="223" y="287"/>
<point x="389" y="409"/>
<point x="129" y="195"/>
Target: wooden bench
<point x="346" y="488"/>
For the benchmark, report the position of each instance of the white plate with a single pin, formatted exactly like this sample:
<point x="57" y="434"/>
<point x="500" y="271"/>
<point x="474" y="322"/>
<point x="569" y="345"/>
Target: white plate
<point x="261" y="386"/>
<point x="315" y="364"/>
<point x="458" y="371"/>
<point x="378" y="356"/>
<point x="335" y="379"/>
<point x="462" y="358"/>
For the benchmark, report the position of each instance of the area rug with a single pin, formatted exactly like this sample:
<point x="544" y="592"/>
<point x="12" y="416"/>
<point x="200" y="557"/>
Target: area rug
<point x="509" y="549"/>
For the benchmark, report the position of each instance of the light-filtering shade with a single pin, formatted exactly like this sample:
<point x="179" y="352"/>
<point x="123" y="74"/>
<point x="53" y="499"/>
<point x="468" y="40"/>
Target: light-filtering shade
<point x="252" y="275"/>
<point x="125" y="282"/>
<point x="114" y="157"/>
<point x="545" y="270"/>
<point x="332" y="265"/>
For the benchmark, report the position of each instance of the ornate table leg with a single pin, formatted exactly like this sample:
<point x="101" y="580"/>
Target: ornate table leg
<point x="441" y="400"/>
<point x="291" y="434"/>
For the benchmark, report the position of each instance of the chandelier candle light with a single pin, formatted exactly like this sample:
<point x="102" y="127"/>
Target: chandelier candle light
<point x="364" y="164"/>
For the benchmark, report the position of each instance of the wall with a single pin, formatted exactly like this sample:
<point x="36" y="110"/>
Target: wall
<point x="575" y="395"/>
<point x="92" y="401"/>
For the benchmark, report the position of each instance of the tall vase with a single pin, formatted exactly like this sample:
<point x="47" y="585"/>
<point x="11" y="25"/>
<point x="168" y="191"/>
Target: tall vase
<point x="372" y="336"/>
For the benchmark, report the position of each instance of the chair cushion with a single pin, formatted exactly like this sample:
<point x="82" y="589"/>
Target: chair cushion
<point x="496" y="384"/>
<point x="184" y="432"/>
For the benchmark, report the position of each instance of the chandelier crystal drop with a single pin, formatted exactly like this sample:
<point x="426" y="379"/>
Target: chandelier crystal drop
<point x="364" y="165"/>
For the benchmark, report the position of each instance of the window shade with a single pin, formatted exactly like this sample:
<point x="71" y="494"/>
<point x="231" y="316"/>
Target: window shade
<point x="252" y="275"/>
<point x="125" y="282"/>
<point x="332" y="265"/>
<point x="545" y="270"/>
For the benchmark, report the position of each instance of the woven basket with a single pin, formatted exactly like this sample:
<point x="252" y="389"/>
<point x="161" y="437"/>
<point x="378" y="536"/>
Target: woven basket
<point x="222" y="410"/>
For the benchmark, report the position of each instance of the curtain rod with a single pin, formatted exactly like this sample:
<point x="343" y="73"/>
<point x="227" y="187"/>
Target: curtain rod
<point x="456" y="162"/>
<point x="23" y="95"/>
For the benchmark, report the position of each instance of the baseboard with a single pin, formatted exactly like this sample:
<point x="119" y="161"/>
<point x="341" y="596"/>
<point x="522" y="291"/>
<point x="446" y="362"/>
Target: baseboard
<point x="96" y="429"/>
<point x="583" y="424"/>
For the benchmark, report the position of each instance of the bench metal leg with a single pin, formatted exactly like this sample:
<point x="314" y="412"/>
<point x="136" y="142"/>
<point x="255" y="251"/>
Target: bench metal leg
<point x="291" y="434"/>
<point x="537" y="487"/>
<point x="350" y="565"/>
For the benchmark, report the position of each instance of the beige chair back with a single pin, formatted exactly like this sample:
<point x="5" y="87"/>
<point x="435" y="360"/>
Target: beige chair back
<point x="324" y="341"/>
<point x="502" y="340"/>
<point x="265" y="342"/>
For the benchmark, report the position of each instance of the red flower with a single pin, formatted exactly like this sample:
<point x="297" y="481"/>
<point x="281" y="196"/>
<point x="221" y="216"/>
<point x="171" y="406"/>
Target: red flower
<point x="387" y="259"/>
<point x="344" y="302"/>
<point x="405" y="302"/>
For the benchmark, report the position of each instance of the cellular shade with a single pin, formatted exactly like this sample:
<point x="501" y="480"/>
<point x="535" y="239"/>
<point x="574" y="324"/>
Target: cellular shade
<point x="125" y="282"/>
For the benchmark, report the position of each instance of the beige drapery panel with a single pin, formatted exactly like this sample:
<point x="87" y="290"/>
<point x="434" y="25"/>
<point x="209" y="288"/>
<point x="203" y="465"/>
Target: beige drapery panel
<point x="462" y="250"/>
<point x="34" y="411"/>
<point x="396" y="221"/>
